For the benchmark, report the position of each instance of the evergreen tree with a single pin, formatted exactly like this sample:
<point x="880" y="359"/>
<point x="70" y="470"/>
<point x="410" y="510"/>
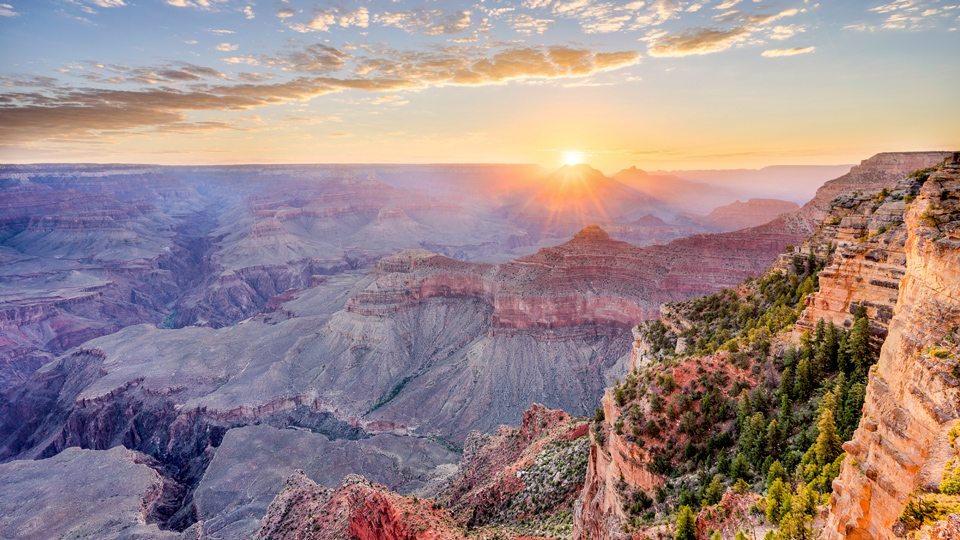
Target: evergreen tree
<point x="714" y="492"/>
<point x="776" y="496"/>
<point x="803" y="383"/>
<point x="773" y="438"/>
<point x="852" y="409"/>
<point x="739" y="468"/>
<point x="858" y="345"/>
<point x="776" y="472"/>
<point x="686" y="526"/>
<point x="828" y="443"/>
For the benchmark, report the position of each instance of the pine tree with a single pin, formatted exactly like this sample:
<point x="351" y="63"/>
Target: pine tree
<point x="686" y="527"/>
<point x="739" y="468"/>
<point x="773" y="438"/>
<point x="775" y="498"/>
<point x="858" y="345"/>
<point x="776" y="472"/>
<point x="803" y="383"/>
<point x="828" y="443"/>
<point x="714" y="492"/>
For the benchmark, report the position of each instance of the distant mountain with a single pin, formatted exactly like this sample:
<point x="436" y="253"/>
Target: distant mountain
<point x="739" y="215"/>
<point x="684" y="195"/>
<point x="796" y="183"/>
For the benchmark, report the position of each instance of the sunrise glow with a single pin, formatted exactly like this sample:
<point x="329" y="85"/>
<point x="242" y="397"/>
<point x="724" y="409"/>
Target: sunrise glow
<point x="573" y="158"/>
<point x="660" y="85"/>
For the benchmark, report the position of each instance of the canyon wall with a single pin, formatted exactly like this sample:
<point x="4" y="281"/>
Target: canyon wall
<point x="913" y="397"/>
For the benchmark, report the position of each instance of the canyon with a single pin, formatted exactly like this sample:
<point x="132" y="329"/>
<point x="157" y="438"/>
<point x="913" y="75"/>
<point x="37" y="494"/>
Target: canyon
<point x="228" y="326"/>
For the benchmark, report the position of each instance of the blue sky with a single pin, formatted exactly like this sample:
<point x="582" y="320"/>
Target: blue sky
<point x="658" y="84"/>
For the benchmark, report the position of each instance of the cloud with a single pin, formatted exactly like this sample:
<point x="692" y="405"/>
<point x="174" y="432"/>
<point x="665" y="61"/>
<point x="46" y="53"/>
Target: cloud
<point x="58" y="113"/>
<point x="697" y="41"/>
<point x="788" y="52"/>
<point x="910" y="14"/>
<point x="253" y="77"/>
<point x="431" y="22"/>
<point x="219" y="31"/>
<point x="226" y="47"/>
<point x="6" y="10"/>
<point x="249" y="12"/>
<point x="286" y="13"/>
<point x="107" y="3"/>
<point x="525" y="24"/>
<point x="207" y="5"/>
<point x="323" y="19"/>
<point x="727" y="5"/>
<point x="316" y="58"/>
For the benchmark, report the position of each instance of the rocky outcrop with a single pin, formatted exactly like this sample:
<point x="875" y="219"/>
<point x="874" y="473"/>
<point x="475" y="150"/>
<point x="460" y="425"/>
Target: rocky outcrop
<point x="85" y="494"/>
<point x="533" y="473"/>
<point x="913" y="394"/>
<point x="739" y="215"/>
<point x="358" y="509"/>
<point x="251" y="465"/>
<point x="863" y="237"/>
<point x="591" y="280"/>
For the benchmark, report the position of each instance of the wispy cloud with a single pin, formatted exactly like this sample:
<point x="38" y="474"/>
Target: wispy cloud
<point x="772" y="53"/>
<point x="696" y="41"/>
<point x="226" y="47"/>
<point x="6" y="10"/>
<point x="59" y="112"/>
<point x="323" y="19"/>
<point x="431" y="22"/>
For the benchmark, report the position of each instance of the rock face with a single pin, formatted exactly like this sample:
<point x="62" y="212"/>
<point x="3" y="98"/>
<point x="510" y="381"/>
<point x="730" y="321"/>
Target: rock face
<point x="740" y="215"/>
<point x="865" y="237"/>
<point x="533" y="473"/>
<point x="252" y="463"/>
<point x="913" y="397"/>
<point x="859" y="275"/>
<point x="84" y="494"/>
<point x="357" y="509"/>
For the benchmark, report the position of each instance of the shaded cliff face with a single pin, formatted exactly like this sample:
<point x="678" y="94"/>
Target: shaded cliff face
<point x="516" y="483"/>
<point x="913" y="397"/>
<point x="85" y="252"/>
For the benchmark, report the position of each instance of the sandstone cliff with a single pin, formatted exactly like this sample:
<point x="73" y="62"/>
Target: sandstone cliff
<point x="913" y="397"/>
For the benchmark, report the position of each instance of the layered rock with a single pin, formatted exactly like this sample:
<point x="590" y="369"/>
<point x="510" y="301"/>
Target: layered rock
<point x="739" y="215"/>
<point x="533" y="473"/>
<point x="913" y="396"/>
<point x="357" y="509"/>
<point x="252" y="463"/>
<point x="85" y="494"/>
<point x="863" y="237"/>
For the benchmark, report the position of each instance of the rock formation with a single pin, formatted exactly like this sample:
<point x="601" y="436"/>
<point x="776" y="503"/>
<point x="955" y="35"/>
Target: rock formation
<point x="357" y="509"/>
<point x="912" y="399"/>
<point x="739" y="215"/>
<point x="85" y="494"/>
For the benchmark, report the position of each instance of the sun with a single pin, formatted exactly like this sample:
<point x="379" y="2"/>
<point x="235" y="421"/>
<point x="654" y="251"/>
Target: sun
<point x="572" y="157"/>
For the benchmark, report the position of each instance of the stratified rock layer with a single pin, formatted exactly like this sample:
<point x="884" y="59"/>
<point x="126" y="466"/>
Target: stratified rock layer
<point x="83" y="494"/>
<point x="913" y="396"/>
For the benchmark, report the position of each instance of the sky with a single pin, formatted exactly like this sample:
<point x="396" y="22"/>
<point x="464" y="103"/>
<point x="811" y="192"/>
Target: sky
<point x="660" y="84"/>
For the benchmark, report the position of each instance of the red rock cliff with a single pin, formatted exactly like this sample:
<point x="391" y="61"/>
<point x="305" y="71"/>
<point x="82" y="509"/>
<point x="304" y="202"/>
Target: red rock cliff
<point x="913" y="397"/>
